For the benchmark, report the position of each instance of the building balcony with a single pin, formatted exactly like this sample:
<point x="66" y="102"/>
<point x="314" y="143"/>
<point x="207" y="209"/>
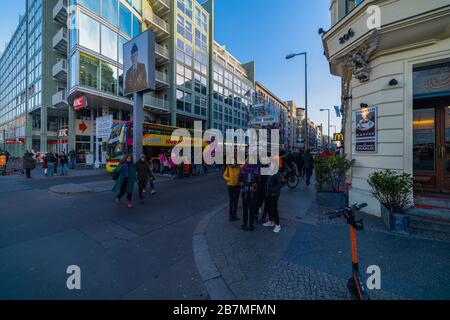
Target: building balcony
<point x="162" y="79"/>
<point x="60" y="41"/>
<point x="158" y="25"/>
<point x="59" y="99"/>
<point x="156" y="104"/>
<point x="60" y="70"/>
<point x="162" y="54"/>
<point x="60" y="12"/>
<point x="160" y="7"/>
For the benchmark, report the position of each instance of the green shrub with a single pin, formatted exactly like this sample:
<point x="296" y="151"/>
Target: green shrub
<point x="332" y="171"/>
<point x="393" y="190"/>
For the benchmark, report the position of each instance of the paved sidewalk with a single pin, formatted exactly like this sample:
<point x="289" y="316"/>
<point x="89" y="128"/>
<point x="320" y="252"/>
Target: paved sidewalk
<point x="310" y="258"/>
<point x="38" y="173"/>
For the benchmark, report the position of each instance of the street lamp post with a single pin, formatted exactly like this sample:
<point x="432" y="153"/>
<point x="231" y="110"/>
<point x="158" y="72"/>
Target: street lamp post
<point x="328" y="110"/>
<point x="293" y="55"/>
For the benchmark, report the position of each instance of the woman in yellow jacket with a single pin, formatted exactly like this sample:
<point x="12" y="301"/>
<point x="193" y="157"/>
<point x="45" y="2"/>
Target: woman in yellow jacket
<point x="231" y="176"/>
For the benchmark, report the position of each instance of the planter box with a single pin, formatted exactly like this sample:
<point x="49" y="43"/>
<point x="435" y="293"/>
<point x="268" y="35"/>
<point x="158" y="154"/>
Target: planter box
<point x="395" y="222"/>
<point x="332" y="199"/>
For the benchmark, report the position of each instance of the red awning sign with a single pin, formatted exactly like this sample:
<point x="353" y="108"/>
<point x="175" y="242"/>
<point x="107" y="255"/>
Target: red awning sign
<point x="80" y="103"/>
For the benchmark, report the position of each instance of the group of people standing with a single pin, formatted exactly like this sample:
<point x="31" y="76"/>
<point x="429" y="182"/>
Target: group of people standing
<point x="260" y="194"/>
<point x="128" y="173"/>
<point x="51" y="163"/>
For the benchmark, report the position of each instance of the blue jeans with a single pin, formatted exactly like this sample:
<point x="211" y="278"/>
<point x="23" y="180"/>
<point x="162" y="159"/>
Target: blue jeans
<point x="50" y="169"/>
<point x="64" y="169"/>
<point x="72" y="163"/>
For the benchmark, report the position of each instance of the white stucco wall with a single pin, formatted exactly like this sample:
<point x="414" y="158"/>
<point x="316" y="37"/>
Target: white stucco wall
<point x="395" y="115"/>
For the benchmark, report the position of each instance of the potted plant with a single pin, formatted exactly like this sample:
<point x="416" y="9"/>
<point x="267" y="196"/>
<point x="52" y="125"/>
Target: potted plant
<point x="394" y="192"/>
<point x="331" y="172"/>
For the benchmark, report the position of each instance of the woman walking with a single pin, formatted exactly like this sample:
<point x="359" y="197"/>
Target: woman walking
<point x="231" y="176"/>
<point x="126" y="178"/>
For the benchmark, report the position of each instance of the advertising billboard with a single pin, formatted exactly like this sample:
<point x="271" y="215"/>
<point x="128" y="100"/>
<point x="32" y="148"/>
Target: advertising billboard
<point x="139" y="64"/>
<point x="366" y="130"/>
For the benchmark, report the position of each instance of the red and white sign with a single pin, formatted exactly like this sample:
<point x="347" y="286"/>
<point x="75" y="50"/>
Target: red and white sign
<point x="80" y="103"/>
<point x="14" y="141"/>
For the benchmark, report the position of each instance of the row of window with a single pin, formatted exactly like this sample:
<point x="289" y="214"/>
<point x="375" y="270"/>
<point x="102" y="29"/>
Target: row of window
<point x="96" y="74"/>
<point x="184" y="103"/>
<point x="108" y="8"/>
<point x="120" y="17"/>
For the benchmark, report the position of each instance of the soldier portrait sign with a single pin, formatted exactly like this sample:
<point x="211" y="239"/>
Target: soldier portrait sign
<point x="366" y="130"/>
<point x="139" y="64"/>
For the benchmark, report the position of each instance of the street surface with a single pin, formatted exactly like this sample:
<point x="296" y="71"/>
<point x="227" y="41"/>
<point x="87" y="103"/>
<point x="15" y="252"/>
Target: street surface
<point x="142" y="253"/>
<point x="180" y="245"/>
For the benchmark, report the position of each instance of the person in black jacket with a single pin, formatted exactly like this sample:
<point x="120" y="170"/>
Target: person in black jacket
<point x="144" y="175"/>
<point x="64" y="161"/>
<point x="274" y="183"/>
<point x="308" y="162"/>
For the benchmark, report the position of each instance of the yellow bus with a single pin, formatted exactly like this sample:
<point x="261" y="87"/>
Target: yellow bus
<point x="157" y="139"/>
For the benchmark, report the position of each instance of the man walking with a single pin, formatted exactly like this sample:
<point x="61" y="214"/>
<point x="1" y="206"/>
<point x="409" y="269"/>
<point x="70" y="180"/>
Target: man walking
<point x="308" y="162"/>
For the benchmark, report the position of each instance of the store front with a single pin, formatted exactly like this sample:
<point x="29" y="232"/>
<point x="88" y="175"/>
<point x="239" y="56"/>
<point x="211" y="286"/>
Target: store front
<point x="431" y="128"/>
<point x="400" y="69"/>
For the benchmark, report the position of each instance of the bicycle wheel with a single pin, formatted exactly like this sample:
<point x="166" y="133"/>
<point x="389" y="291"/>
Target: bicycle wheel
<point x="292" y="181"/>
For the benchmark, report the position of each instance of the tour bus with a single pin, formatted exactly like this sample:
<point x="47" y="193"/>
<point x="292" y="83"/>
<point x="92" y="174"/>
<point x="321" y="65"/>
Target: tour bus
<point x="157" y="139"/>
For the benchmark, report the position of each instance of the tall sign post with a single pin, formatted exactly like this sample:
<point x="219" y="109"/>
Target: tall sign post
<point x="139" y="78"/>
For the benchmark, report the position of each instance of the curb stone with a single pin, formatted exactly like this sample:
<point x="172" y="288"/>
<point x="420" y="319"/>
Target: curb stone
<point x="212" y="278"/>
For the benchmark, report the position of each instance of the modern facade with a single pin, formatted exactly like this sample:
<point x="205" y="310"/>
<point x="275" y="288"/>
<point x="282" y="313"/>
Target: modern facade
<point x="277" y="108"/>
<point x="233" y="88"/>
<point x="296" y="118"/>
<point x="63" y="68"/>
<point x="31" y="73"/>
<point x="400" y="66"/>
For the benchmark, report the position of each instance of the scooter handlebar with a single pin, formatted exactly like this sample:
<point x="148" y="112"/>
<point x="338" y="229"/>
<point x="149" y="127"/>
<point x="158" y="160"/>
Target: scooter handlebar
<point x="341" y="212"/>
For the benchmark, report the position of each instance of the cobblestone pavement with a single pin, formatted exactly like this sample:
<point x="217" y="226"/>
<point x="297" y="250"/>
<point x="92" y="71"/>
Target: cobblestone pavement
<point x="310" y="259"/>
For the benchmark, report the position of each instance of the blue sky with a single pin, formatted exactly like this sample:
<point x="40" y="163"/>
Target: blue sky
<point x="264" y="31"/>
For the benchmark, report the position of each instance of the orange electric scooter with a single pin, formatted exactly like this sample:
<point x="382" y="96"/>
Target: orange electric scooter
<point x="355" y="284"/>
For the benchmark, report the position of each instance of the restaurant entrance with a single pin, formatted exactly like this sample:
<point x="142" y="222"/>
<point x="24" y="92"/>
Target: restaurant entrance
<point x="431" y="150"/>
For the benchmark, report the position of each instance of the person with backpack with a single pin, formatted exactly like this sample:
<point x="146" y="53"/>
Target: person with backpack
<point x="231" y="176"/>
<point x="29" y="163"/>
<point x="249" y="176"/>
<point x="125" y="176"/>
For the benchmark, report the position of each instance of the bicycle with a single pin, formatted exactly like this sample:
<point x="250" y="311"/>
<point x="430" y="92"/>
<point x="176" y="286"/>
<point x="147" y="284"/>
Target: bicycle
<point x="291" y="177"/>
<point x="355" y="284"/>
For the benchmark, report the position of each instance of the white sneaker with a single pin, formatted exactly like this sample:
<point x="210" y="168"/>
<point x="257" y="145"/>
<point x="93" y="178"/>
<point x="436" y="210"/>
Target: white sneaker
<point x="269" y="224"/>
<point x="277" y="229"/>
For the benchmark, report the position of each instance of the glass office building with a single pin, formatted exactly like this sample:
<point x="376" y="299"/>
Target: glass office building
<point x="233" y="89"/>
<point x="67" y="51"/>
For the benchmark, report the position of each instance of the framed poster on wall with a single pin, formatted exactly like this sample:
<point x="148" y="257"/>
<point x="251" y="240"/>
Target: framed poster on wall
<point x="366" y="130"/>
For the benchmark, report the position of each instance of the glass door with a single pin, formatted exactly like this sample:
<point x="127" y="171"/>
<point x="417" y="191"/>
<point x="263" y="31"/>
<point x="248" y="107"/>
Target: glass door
<point x="424" y="148"/>
<point x="445" y="151"/>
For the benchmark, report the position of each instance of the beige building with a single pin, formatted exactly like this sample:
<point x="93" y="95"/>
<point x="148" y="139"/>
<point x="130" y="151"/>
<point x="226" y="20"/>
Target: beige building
<point x="402" y="68"/>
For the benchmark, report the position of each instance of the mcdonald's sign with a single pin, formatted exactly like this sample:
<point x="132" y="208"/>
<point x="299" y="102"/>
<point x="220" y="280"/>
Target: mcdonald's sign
<point x="338" y="137"/>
